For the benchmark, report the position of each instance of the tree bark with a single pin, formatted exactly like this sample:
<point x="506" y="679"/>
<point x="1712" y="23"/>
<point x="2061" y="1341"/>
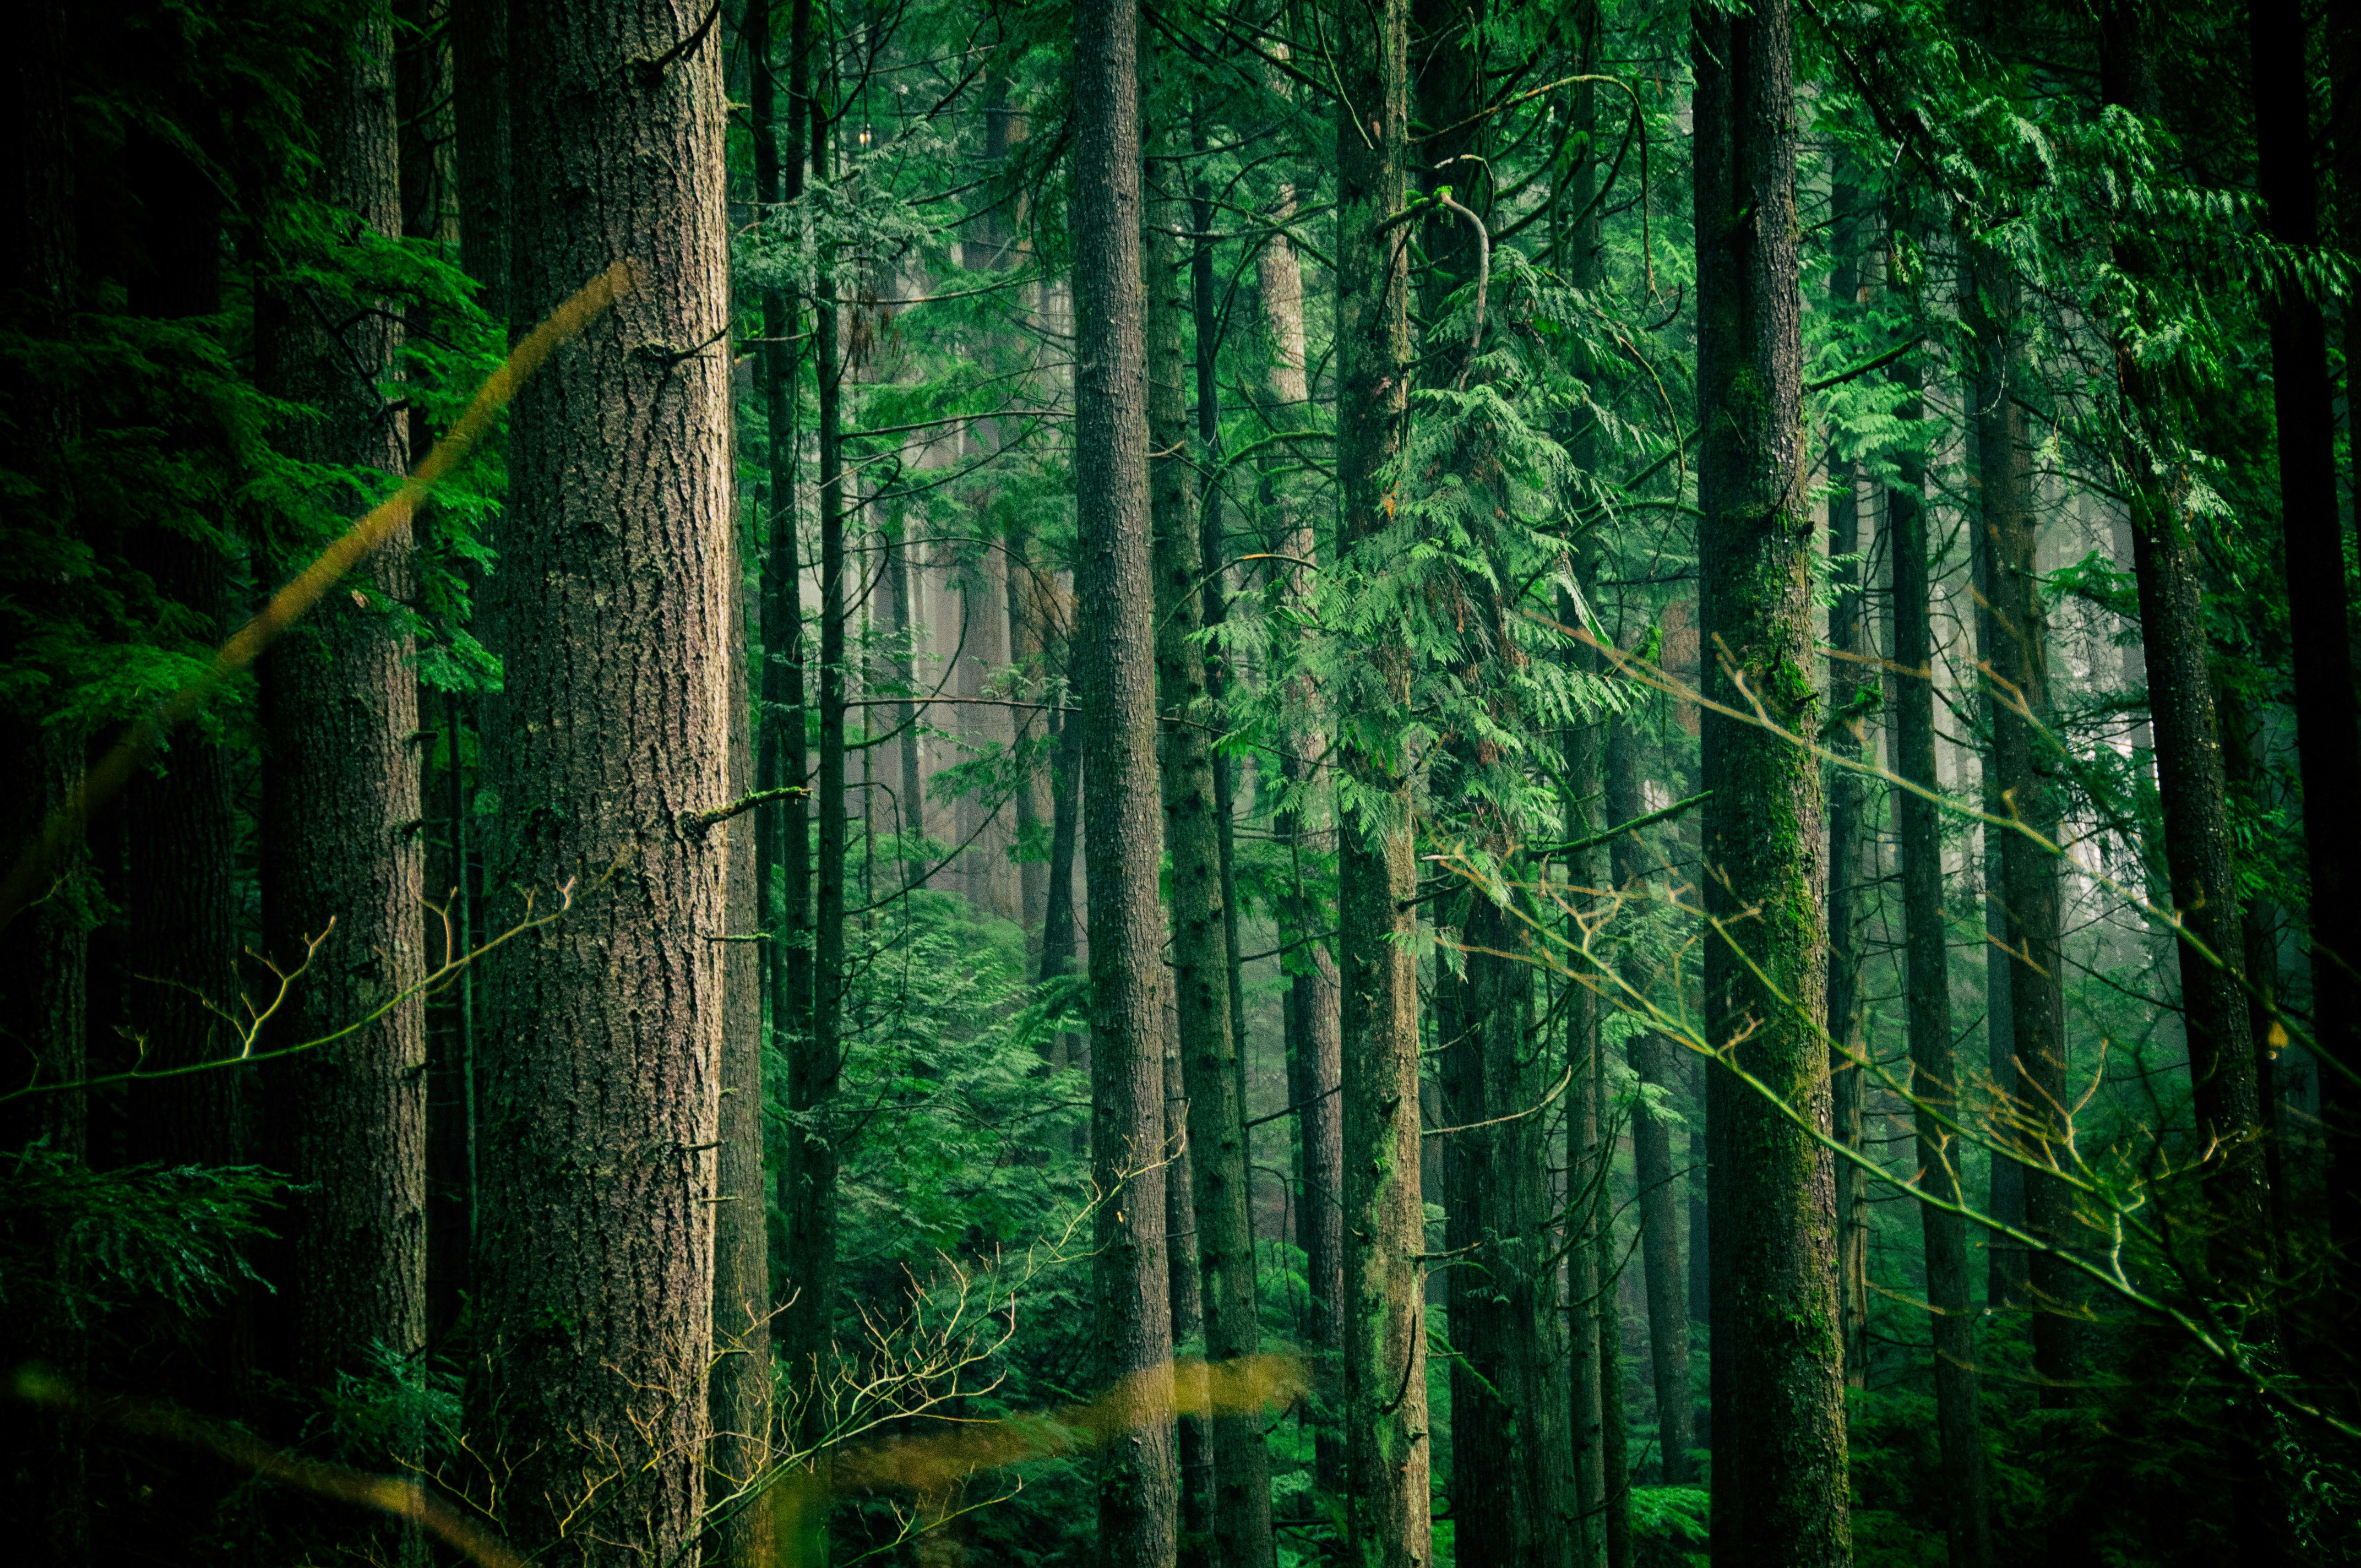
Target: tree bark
<point x="1117" y="670"/>
<point x="480" y="111"/>
<point x="2328" y="744"/>
<point x="1196" y="1538"/>
<point x="1200" y="914"/>
<point x="2017" y="662"/>
<point x="342" y="807"/>
<point x="1927" y="985"/>
<point x="1652" y="1144"/>
<point x="604" y="1030"/>
<point x="1780" y="1487"/>
<point x="1384" y="1331"/>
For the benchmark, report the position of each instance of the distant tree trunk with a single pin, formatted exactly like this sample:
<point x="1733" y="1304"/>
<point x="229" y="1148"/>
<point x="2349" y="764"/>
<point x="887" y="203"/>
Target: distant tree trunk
<point x="595" y="1317"/>
<point x="1201" y="966"/>
<point x="901" y="603"/>
<point x="341" y="845"/>
<point x="2329" y="745"/>
<point x="1780" y="1486"/>
<point x="1614" y="1425"/>
<point x="1582" y="748"/>
<point x="1197" y="1543"/>
<point x="1115" y="667"/>
<point x="479" y="109"/>
<point x="1927" y="984"/>
<point x="2018" y="662"/>
<point x="1847" y="819"/>
<point x="1026" y="639"/>
<point x="1386" y="1418"/>
<point x="1314" y="1041"/>
<point x="1652" y="1144"/>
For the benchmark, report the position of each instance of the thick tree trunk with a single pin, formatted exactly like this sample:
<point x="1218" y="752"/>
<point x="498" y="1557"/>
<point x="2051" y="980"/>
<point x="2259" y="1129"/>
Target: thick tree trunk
<point x="341" y="845"/>
<point x="604" y="1030"/>
<point x="1200" y="915"/>
<point x="1384" y="1317"/>
<point x="1115" y="665"/>
<point x="1196" y="1540"/>
<point x="2329" y="746"/>
<point x="1780" y="1487"/>
<point x="1927" y="985"/>
<point x="1652" y="1143"/>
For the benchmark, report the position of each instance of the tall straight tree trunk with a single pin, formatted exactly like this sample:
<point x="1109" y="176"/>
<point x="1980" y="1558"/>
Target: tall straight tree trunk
<point x="479" y="115"/>
<point x="1780" y="1486"/>
<point x="816" y="1060"/>
<point x="1652" y="1143"/>
<point x="1115" y="667"/>
<point x="1849" y="839"/>
<point x="901" y="605"/>
<point x="1196" y="1539"/>
<point x="1201" y="949"/>
<point x="603" y="1031"/>
<point x="2328" y="744"/>
<point x="1582" y="748"/>
<point x="1927" y="985"/>
<point x="2018" y="664"/>
<point x="1614" y="1425"/>
<point x="1313" y="1028"/>
<point x="1387" y="1451"/>
<point x="341" y="845"/>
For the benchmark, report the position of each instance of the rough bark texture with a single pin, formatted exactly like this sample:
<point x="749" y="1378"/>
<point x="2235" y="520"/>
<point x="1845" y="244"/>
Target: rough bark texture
<point x="611" y="607"/>
<point x="1384" y="1317"/>
<point x="2329" y="745"/>
<point x="341" y="845"/>
<point x="1117" y="674"/>
<point x="1652" y="1143"/>
<point x="1195" y="1540"/>
<point x="1201" y="910"/>
<point x="1927" y="986"/>
<point x="1780" y="1488"/>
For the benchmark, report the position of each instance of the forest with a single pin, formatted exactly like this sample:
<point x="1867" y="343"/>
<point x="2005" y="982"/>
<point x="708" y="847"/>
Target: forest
<point x="1210" y="784"/>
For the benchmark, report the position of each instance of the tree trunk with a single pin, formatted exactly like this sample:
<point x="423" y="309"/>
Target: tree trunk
<point x="1315" y="1047"/>
<point x="342" y="804"/>
<point x="2018" y="664"/>
<point x="1652" y="1143"/>
<point x="604" y="1029"/>
<point x="1201" y="967"/>
<point x="2329" y="746"/>
<point x="1116" y="671"/>
<point x="479" y="118"/>
<point x="1385" y="1328"/>
<point x="1780" y="1487"/>
<point x="1927" y="985"/>
<point x="1197" y="1543"/>
<point x="1614" y="1425"/>
<point x="1849" y="839"/>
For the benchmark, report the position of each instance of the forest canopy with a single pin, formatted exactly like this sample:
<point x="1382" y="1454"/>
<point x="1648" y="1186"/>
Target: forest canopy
<point x="1264" y="782"/>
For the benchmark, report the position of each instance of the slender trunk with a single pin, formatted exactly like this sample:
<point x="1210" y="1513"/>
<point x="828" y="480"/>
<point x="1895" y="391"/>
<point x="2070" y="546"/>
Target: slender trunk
<point x="604" y="1031"/>
<point x="1315" y="1047"/>
<point x="1200" y="918"/>
<point x="1198" y="1542"/>
<point x="1582" y="748"/>
<point x="2329" y="746"/>
<point x="2006" y="1265"/>
<point x="1849" y="839"/>
<point x="1780" y="1487"/>
<point x="1927" y="984"/>
<point x="1116" y="669"/>
<point x="1652" y="1143"/>
<point x="2018" y="664"/>
<point x="739" y="1395"/>
<point x="1614" y="1424"/>
<point x="900" y="603"/>
<point x="1385" y="1330"/>
<point x="479" y="110"/>
<point x="1033" y="790"/>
